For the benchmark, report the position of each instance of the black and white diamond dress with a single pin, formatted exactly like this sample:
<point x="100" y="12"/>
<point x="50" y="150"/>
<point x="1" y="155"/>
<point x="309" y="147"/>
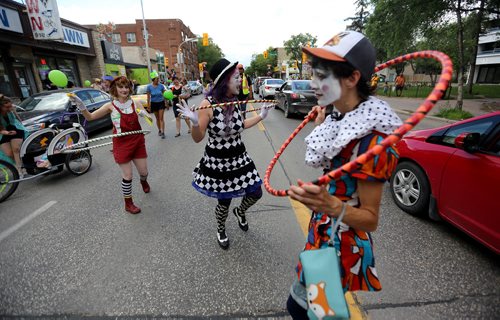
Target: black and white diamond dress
<point x="225" y="170"/>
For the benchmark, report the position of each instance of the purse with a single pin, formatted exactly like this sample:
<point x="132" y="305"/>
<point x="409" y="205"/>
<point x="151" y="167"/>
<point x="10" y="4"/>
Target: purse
<point x="321" y="270"/>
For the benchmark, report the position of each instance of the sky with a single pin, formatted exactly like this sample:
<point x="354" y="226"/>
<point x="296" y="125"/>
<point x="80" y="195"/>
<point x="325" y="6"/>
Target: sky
<point x="239" y="28"/>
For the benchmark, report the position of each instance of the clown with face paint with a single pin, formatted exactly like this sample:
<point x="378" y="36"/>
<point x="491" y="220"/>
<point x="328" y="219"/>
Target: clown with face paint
<point x="226" y="170"/>
<point x="341" y="70"/>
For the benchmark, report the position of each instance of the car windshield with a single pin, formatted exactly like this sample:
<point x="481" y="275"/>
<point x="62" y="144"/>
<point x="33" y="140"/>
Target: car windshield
<point x="193" y="83"/>
<point x="275" y="81"/>
<point x="302" y="85"/>
<point x="53" y="101"/>
<point x="142" y="89"/>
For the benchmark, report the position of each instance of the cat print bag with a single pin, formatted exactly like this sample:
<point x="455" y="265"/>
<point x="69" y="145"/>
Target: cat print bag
<point x="321" y="270"/>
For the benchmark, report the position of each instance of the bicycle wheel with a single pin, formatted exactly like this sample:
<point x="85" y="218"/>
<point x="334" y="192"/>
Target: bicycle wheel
<point x="79" y="163"/>
<point x="7" y="173"/>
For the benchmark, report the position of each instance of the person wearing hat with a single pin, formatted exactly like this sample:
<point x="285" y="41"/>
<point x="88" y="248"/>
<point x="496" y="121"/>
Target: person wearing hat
<point x="106" y="85"/>
<point x="225" y="171"/>
<point x="341" y="71"/>
<point x="97" y="84"/>
<point x="126" y="149"/>
<point x="156" y="102"/>
<point x="246" y="91"/>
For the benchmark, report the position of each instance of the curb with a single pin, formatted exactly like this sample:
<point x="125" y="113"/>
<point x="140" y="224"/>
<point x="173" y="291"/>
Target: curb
<point x="427" y="116"/>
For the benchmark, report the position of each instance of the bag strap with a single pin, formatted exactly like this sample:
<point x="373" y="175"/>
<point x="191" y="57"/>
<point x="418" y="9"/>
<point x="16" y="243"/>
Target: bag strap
<point x="337" y="222"/>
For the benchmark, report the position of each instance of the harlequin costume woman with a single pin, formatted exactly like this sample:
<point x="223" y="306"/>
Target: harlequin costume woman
<point x="225" y="171"/>
<point x="126" y="149"/>
<point x="341" y="70"/>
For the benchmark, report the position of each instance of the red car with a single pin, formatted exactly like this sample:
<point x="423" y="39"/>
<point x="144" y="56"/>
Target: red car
<point x="453" y="173"/>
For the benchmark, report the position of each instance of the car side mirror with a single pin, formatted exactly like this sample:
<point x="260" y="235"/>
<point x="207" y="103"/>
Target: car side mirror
<point x="468" y="141"/>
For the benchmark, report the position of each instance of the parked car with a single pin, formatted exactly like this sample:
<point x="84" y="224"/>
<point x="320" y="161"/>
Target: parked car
<point x="196" y="87"/>
<point x="141" y="94"/>
<point x="453" y="173"/>
<point x="42" y="109"/>
<point x="269" y="86"/>
<point x="297" y="97"/>
<point x="257" y="83"/>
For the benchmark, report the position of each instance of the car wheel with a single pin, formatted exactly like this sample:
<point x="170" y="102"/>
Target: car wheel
<point x="410" y="189"/>
<point x="285" y="110"/>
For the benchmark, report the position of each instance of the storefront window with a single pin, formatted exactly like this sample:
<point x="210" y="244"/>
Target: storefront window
<point x="46" y="64"/>
<point x="5" y="83"/>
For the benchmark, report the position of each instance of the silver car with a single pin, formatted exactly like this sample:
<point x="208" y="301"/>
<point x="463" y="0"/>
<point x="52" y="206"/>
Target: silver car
<point x="196" y="87"/>
<point x="269" y="86"/>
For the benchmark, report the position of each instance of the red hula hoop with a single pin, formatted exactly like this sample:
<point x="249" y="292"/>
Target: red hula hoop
<point x="410" y="123"/>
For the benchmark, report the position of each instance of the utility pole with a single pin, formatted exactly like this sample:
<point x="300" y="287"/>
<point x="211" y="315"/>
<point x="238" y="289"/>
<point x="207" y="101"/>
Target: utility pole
<point x="146" y="38"/>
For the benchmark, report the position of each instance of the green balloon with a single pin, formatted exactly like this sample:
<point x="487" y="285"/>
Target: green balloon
<point x="168" y="95"/>
<point x="58" y="78"/>
<point x="87" y="83"/>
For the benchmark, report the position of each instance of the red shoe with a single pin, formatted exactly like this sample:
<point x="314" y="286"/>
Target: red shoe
<point x="131" y="207"/>
<point x="145" y="186"/>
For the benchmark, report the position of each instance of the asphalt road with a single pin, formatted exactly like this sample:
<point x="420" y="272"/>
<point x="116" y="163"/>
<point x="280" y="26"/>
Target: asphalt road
<point x="68" y="249"/>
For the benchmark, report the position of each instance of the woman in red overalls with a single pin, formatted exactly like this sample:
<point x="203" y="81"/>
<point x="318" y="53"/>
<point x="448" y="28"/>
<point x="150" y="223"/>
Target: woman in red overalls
<point x="126" y="149"/>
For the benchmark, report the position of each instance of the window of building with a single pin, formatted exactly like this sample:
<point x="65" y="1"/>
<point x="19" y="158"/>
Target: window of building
<point x="116" y="38"/>
<point x="5" y="83"/>
<point x="131" y="37"/>
<point x="45" y="64"/>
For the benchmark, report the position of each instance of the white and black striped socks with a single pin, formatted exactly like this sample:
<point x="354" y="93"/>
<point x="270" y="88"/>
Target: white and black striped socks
<point x="127" y="188"/>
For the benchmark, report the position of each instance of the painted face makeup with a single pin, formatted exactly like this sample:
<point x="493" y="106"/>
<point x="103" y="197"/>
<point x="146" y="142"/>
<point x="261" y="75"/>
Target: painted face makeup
<point x="234" y="83"/>
<point x="326" y="86"/>
<point x="122" y="91"/>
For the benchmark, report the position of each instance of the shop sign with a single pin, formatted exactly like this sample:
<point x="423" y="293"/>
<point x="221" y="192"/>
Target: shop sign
<point x="9" y="20"/>
<point x="76" y="37"/>
<point x="112" y="51"/>
<point x="44" y="19"/>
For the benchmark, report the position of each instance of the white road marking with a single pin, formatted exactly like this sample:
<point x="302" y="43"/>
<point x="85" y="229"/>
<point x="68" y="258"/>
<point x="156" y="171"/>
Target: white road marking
<point x="25" y="220"/>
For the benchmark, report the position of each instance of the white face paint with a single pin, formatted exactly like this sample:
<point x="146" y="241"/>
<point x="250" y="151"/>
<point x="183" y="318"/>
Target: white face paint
<point x="326" y="86"/>
<point x="234" y="83"/>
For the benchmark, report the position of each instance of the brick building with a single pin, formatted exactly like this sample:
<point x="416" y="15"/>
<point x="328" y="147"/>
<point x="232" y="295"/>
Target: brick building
<point x="165" y="35"/>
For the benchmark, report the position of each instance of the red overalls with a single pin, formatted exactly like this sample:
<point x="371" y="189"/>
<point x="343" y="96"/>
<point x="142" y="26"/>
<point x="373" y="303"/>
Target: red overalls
<point x="130" y="147"/>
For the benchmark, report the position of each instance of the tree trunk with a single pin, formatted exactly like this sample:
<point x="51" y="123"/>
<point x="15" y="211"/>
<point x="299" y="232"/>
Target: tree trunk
<point x="474" y="50"/>
<point x="460" y="66"/>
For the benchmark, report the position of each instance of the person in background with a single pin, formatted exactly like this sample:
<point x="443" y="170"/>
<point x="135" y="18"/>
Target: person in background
<point x="97" y="84"/>
<point x="156" y="102"/>
<point x="126" y="149"/>
<point x="341" y="69"/>
<point x="106" y="83"/>
<point x="12" y="132"/>
<point x="400" y="84"/>
<point x="246" y="91"/>
<point x="179" y="94"/>
<point x="374" y="83"/>
<point x="225" y="171"/>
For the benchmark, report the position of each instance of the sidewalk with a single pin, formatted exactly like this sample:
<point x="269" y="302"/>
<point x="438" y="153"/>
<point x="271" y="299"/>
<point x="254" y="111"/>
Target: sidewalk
<point x="474" y="106"/>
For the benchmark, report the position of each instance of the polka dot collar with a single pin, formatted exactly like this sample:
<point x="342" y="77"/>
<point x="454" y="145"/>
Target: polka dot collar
<point x="329" y="138"/>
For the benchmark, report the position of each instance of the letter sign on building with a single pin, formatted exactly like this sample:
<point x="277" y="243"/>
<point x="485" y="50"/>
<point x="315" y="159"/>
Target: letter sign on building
<point x="44" y="19"/>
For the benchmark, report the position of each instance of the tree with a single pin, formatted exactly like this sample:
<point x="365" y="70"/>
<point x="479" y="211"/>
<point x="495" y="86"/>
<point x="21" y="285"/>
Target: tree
<point x="293" y="47"/>
<point x="358" y="22"/>
<point x="396" y="25"/>
<point x="209" y="54"/>
<point x="259" y="64"/>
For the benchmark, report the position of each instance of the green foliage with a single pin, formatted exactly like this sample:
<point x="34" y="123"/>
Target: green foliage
<point x="209" y="54"/>
<point x="293" y="46"/>
<point x="453" y="114"/>
<point x="259" y="65"/>
<point x="358" y="22"/>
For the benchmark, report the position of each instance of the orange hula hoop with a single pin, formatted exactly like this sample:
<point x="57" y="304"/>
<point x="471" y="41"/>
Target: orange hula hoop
<point x="395" y="136"/>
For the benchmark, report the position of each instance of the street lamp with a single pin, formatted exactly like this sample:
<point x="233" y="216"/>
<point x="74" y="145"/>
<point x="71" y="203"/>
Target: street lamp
<point x="146" y="37"/>
<point x="181" y="56"/>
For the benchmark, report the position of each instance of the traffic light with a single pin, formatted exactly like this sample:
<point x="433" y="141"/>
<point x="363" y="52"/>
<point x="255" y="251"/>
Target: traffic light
<point x="265" y="54"/>
<point x="200" y="67"/>
<point x="166" y="61"/>
<point x="205" y="39"/>
<point x="304" y="55"/>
